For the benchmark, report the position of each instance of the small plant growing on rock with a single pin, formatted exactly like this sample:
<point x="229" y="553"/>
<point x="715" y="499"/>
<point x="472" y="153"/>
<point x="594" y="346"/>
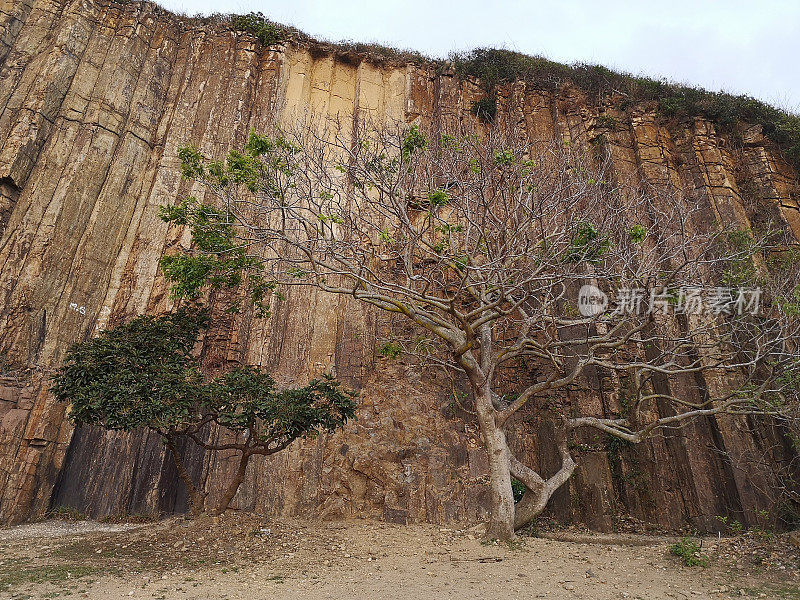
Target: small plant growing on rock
<point x="689" y="551"/>
<point x="519" y="489"/>
<point x="607" y="122"/>
<point x="485" y="109"/>
<point x="390" y="350"/>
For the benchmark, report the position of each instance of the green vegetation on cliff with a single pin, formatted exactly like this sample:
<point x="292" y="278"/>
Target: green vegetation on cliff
<point x="494" y="67"/>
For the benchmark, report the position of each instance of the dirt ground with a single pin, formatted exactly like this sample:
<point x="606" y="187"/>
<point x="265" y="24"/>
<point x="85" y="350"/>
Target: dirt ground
<point x="247" y="557"/>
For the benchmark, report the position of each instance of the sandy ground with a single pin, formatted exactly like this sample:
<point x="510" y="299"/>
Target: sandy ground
<point x="245" y="557"/>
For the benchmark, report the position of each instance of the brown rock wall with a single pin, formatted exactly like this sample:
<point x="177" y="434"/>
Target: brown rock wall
<point x="95" y="98"/>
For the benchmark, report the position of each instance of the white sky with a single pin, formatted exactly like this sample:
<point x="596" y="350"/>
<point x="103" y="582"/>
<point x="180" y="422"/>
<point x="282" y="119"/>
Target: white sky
<point x="750" y="47"/>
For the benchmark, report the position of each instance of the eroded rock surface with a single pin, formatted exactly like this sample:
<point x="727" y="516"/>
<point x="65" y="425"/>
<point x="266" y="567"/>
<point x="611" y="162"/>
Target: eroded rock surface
<point x="94" y="100"/>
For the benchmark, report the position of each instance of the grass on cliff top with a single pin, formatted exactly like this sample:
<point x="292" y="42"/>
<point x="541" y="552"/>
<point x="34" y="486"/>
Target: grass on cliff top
<point x="494" y="67"/>
<point x="271" y="33"/>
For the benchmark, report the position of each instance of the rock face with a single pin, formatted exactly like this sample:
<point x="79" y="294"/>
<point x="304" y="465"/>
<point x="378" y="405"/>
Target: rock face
<point x="94" y="100"/>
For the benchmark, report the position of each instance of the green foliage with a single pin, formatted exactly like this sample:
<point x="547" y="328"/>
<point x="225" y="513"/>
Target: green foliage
<point x="740" y="269"/>
<point x="190" y="272"/>
<point x="386" y="238"/>
<point x="255" y="23"/>
<point x="378" y="53"/>
<point x="246" y="399"/>
<point x="637" y="233"/>
<point x="13" y="574"/>
<point x="390" y="350"/>
<point x="191" y="162"/>
<point x="504" y="158"/>
<point x="690" y="552"/>
<point x="734" y="525"/>
<point x="414" y="141"/>
<point x="495" y="67"/>
<point x="331" y="218"/>
<point x="783" y="259"/>
<point x="587" y="243"/>
<point x="217" y="259"/>
<point x="66" y="513"/>
<point x="140" y="374"/>
<point x="790" y="305"/>
<point x="438" y="198"/>
<point x="518" y="488"/>
<point x="615" y="445"/>
<point x="485" y="108"/>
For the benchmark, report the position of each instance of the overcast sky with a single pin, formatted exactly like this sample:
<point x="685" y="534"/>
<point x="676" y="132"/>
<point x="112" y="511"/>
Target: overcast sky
<point x="750" y="47"/>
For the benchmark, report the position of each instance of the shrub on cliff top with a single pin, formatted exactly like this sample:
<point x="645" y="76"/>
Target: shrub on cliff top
<point x="381" y="54"/>
<point x="495" y="67"/>
<point x="267" y="32"/>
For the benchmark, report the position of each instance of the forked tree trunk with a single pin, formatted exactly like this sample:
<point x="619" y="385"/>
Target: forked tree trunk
<point x="538" y="490"/>
<point x="506" y="517"/>
<point x="196" y="497"/>
<point x="233" y="487"/>
<point x="501" y="519"/>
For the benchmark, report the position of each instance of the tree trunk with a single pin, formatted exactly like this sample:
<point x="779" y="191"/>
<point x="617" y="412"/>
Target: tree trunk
<point x="531" y="505"/>
<point x="539" y="491"/>
<point x="196" y="497"/>
<point x="501" y="520"/>
<point x="238" y="478"/>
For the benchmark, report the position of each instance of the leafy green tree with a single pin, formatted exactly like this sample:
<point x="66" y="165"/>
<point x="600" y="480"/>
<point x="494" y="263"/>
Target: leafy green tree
<point x="140" y="374"/>
<point x="143" y="374"/>
<point x="263" y="419"/>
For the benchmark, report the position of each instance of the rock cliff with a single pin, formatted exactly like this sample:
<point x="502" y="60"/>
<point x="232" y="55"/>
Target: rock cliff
<point x="95" y="97"/>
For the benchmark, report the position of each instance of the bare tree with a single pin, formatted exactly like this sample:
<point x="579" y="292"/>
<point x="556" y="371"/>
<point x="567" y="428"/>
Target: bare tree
<point x="484" y="242"/>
